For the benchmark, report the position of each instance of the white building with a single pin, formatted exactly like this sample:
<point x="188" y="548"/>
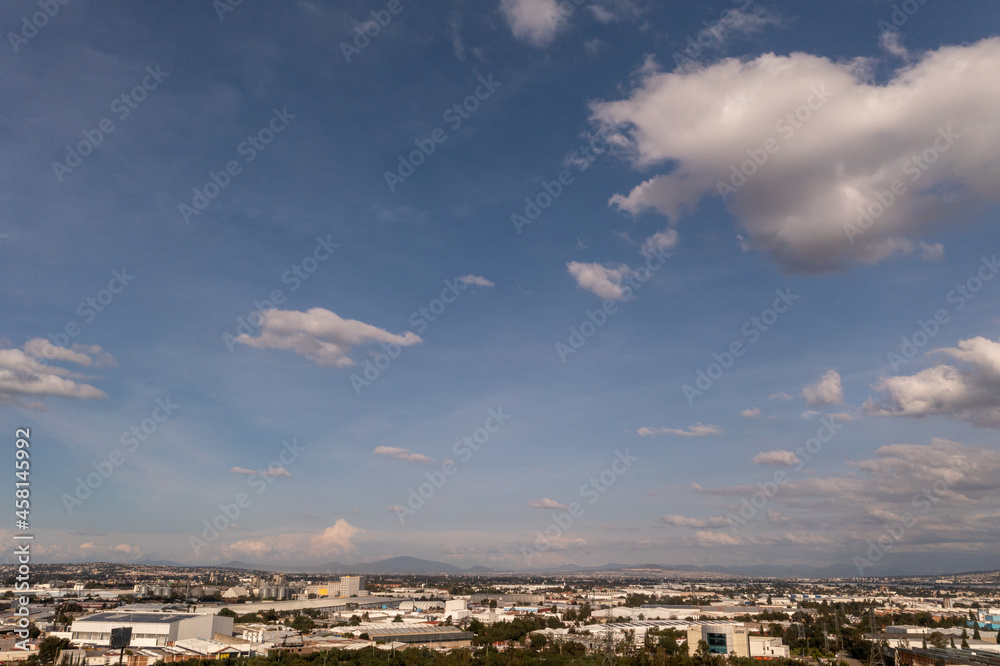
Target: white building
<point x="722" y="638"/>
<point x="148" y="629"/>
<point x="271" y="633"/>
<point x="769" y="647"/>
<point x="352" y="586"/>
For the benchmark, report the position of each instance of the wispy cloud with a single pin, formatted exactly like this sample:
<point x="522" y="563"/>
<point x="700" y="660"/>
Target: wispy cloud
<point x="402" y="454"/>
<point x="697" y="430"/>
<point x="546" y="503"/>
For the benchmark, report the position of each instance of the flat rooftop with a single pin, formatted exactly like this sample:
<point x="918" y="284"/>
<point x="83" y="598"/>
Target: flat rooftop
<point x="143" y="617"/>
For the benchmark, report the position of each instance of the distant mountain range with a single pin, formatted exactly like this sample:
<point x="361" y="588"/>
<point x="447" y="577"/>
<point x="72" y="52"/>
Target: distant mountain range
<point x="416" y="566"/>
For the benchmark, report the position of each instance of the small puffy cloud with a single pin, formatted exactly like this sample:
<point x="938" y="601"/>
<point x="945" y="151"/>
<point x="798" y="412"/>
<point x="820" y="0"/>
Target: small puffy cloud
<point x="660" y="242"/>
<point x="684" y="521"/>
<point x="969" y="391"/>
<point x="476" y="280"/>
<point x="776" y="517"/>
<point x="697" y="430"/>
<point x="28" y="372"/>
<point x="932" y="251"/>
<point x="546" y="503"/>
<point x="533" y="21"/>
<point x="826" y="391"/>
<point x="603" y="281"/>
<point x="803" y="206"/>
<point x="402" y="454"/>
<point x="786" y="458"/>
<point x="751" y="413"/>
<point x="779" y="396"/>
<point x="319" y="335"/>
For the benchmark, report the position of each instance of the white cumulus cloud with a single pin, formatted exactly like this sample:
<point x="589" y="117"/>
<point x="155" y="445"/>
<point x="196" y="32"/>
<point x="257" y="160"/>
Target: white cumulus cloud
<point x="831" y="160"/>
<point x="534" y="21"/>
<point x="969" y="392"/>
<point x="826" y="391"/>
<point x="319" y="335"/>
<point x="603" y="281"/>
<point x="28" y="373"/>
<point x="786" y="458"/>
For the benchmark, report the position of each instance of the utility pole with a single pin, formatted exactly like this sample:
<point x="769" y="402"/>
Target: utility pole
<point x="609" y="650"/>
<point x="876" y="658"/>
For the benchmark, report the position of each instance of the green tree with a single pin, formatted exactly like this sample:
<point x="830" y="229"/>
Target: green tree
<point x="965" y="644"/>
<point x="975" y="632"/>
<point x="49" y="648"/>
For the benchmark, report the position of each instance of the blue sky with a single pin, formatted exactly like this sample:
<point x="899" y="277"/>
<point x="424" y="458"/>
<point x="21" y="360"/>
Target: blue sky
<point x="701" y="172"/>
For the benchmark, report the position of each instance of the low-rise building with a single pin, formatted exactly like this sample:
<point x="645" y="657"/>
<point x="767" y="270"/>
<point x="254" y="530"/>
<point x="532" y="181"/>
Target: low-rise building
<point x="722" y="638"/>
<point x="148" y="629"/>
